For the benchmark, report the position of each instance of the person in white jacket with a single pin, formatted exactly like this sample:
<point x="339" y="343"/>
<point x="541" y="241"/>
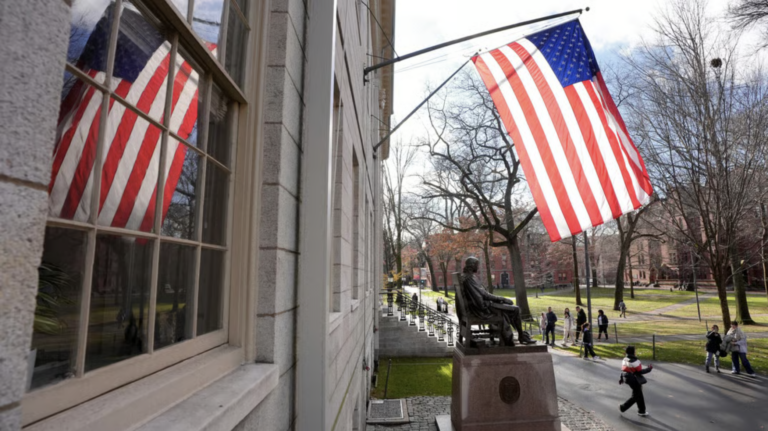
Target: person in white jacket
<point x="737" y="340"/>
<point x="567" y="327"/>
<point x="543" y="325"/>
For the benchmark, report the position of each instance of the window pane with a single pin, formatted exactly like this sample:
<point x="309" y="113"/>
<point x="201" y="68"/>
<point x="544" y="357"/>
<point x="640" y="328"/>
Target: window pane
<point x="183" y="171"/>
<point x="54" y="341"/>
<point x="210" y="291"/>
<point x="175" y="287"/>
<point x="187" y="99"/>
<point x="74" y="153"/>
<point x="129" y="175"/>
<point x="182" y="6"/>
<point x="141" y="62"/>
<point x="117" y="324"/>
<point x="219" y="127"/>
<point x="237" y="34"/>
<point x="89" y="36"/>
<point x="215" y="207"/>
<point x="207" y="19"/>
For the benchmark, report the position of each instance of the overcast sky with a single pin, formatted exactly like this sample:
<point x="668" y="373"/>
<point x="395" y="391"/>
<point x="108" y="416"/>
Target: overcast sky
<point x="610" y="25"/>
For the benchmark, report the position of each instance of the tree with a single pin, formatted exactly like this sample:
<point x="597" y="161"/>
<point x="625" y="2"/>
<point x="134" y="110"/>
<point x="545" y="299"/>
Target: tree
<point x="475" y="168"/>
<point x="627" y="227"/>
<point x="746" y="13"/>
<point x="396" y="222"/>
<point x="700" y="111"/>
<point x="421" y="230"/>
<point x="445" y="247"/>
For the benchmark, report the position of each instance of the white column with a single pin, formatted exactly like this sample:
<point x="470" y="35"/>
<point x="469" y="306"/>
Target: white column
<point x="316" y="219"/>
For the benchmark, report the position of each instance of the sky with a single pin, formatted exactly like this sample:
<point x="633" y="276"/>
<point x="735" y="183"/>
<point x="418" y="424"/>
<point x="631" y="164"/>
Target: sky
<point x="610" y="25"/>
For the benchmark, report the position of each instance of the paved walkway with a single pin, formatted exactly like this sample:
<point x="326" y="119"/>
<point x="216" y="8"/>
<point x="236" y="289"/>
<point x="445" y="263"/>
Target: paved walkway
<point x="679" y="305"/>
<point x="679" y="397"/>
<point x="422" y="411"/>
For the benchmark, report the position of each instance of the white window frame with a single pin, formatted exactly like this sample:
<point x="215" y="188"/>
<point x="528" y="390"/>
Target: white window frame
<point x="222" y="350"/>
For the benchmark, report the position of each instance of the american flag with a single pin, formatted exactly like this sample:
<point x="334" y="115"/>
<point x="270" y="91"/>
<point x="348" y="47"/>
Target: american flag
<point x="131" y="154"/>
<point x="581" y="165"/>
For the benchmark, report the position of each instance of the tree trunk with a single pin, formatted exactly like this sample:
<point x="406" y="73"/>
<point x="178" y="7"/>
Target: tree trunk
<point x="516" y="261"/>
<point x="487" y="255"/>
<point x="631" y="277"/>
<point x="720" y="279"/>
<point x="594" y="276"/>
<point x="399" y="268"/>
<point x="764" y="222"/>
<point x="444" y="268"/>
<point x="576" y="272"/>
<point x="431" y="267"/>
<point x="618" y="295"/>
<point x="740" y="291"/>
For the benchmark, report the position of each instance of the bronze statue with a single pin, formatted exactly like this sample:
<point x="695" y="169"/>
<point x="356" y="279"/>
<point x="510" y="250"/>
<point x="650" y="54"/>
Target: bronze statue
<point x="485" y="305"/>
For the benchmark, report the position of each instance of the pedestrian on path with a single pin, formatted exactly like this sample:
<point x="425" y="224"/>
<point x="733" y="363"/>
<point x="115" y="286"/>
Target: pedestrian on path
<point x="713" y="348"/>
<point x="543" y="325"/>
<point x="588" y="343"/>
<point x="581" y="319"/>
<point x="632" y="374"/>
<point x="602" y="324"/>
<point x="622" y="309"/>
<point x="567" y="327"/>
<point x="738" y="342"/>
<point x="551" y="320"/>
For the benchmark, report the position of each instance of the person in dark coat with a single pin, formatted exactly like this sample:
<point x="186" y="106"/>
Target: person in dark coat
<point x="581" y="319"/>
<point x="588" y="343"/>
<point x="632" y="374"/>
<point x="551" y="320"/>
<point x="714" y="340"/>
<point x="484" y="305"/>
<point x="602" y="324"/>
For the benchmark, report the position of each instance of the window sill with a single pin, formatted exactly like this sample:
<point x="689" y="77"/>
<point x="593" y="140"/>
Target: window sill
<point x="223" y="404"/>
<point x="355" y="304"/>
<point x="216" y="376"/>
<point x="334" y="321"/>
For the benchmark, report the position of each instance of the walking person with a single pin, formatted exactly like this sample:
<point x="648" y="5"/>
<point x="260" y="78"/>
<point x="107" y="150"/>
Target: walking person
<point x="543" y="325"/>
<point x="738" y="342"/>
<point x="713" y="348"/>
<point x="581" y="319"/>
<point x="622" y="309"/>
<point x="550" y="329"/>
<point x="567" y="327"/>
<point x="632" y="374"/>
<point x="602" y="324"/>
<point x="587" y="342"/>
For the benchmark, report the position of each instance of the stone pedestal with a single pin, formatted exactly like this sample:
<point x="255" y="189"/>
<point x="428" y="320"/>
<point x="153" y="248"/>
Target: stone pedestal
<point x="504" y="388"/>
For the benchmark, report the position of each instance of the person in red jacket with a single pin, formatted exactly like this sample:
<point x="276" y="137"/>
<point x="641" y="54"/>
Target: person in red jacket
<point x="632" y="374"/>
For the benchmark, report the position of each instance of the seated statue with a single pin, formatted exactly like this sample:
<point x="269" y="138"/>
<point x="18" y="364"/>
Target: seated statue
<point x="485" y="305"/>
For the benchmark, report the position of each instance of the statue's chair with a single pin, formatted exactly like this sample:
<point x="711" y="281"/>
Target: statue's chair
<point x="467" y="320"/>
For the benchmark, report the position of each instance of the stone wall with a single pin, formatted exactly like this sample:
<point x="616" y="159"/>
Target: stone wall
<point x="35" y="35"/>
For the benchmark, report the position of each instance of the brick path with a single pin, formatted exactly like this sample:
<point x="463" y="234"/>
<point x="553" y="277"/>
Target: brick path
<point x="422" y="411"/>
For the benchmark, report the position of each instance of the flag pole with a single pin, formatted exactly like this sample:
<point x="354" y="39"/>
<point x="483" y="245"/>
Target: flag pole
<point x="586" y="276"/>
<point x="376" y="147"/>
<point x="369" y="69"/>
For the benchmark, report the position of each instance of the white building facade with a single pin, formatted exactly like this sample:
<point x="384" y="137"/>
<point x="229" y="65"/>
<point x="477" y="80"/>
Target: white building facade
<point x="190" y="202"/>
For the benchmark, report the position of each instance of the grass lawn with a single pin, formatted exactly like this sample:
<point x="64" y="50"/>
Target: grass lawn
<point x="413" y="377"/>
<point x="684" y="352"/>
<point x="710" y="307"/>
<point x="602" y="298"/>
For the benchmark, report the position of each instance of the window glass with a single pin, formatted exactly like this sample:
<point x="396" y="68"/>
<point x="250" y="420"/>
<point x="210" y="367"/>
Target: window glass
<point x="207" y="19"/>
<point x="237" y="34"/>
<point x="130" y="169"/>
<point x="89" y="36"/>
<point x="142" y="60"/>
<point x="54" y="340"/>
<point x="182" y="6"/>
<point x="187" y="99"/>
<point x="215" y="207"/>
<point x="181" y="196"/>
<point x="175" y="287"/>
<point x="74" y="153"/>
<point x="219" y="137"/>
<point x="210" y="292"/>
<point x="117" y="325"/>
